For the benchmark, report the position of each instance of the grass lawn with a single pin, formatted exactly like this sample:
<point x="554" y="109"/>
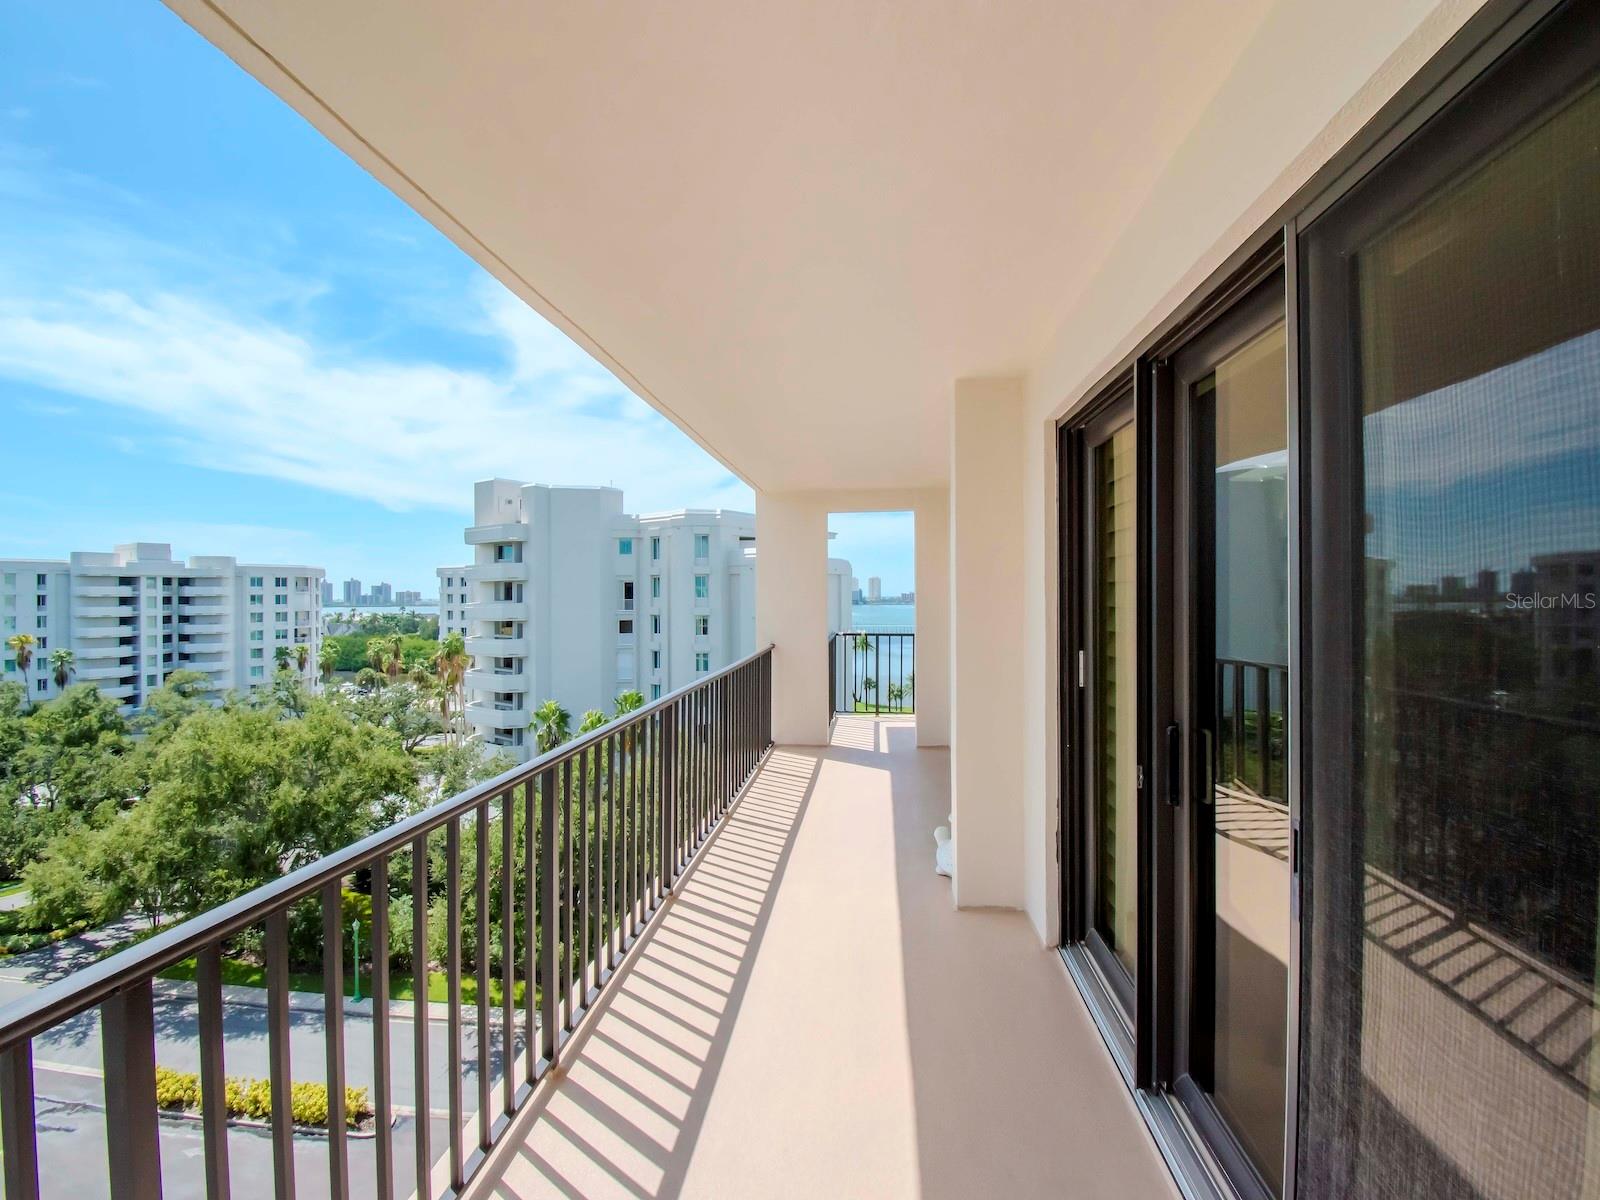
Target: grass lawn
<point x="240" y="973"/>
<point x="11" y="889"/>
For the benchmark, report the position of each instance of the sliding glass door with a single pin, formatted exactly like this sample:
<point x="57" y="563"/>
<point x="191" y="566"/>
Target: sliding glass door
<point x="1230" y="638"/>
<point x="1105" y="673"/>
<point x="1452" y="309"/>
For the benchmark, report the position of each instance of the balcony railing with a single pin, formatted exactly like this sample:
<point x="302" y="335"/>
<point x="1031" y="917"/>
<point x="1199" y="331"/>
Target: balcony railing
<point x="608" y="822"/>
<point x="871" y="673"/>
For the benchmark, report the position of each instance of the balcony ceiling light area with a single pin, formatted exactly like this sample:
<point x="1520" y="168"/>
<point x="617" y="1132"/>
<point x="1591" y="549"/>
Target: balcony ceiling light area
<point x="790" y="228"/>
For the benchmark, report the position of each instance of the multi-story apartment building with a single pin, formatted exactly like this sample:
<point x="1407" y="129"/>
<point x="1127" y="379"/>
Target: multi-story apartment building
<point x="408" y="597"/>
<point x="452" y="600"/>
<point x="352" y="591"/>
<point x="133" y="616"/>
<point x="327" y="593"/>
<point x="572" y="599"/>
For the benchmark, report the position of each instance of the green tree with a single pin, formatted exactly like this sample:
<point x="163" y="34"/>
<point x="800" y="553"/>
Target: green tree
<point x="62" y="662"/>
<point x="21" y="646"/>
<point x="74" y="748"/>
<point x="302" y="657"/>
<point x="327" y="660"/>
<point x="451" y="663"/>
<point x="592" y="720"/>
<point x="281" y="657"/>
<point x="551" y="725"/>
<point x="629" y="701"/>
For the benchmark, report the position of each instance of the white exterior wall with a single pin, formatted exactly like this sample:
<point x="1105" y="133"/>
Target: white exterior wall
<point x="565" y="600"/>
<point x="133" y="616"/>
<point x="1242" y="162"/>
<point x="794" y="604"/>
<point x="452" y="600"/>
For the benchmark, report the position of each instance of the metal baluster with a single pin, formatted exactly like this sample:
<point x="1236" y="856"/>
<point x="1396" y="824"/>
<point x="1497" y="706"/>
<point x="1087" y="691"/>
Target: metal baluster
<point x="18" y="1132"/>
<point x="1240" y="742"/>
<point x="420" y="1017"/>
<point x="382" y="1109"/>
<point x="530" y="987"/>
<point x="483" y="974"/>
<point x="128" y="1045"/>
<point x="1264" y="727"/>
<point x="564" y="774"/>
<point x="604" y="943"/>
<point x="669" y="798"/>
<point x="333" y="1037"/>
<point x="213" y="1087"/>
<point x="508" y="954"/>
<point x="276" y="949"/>
<point x="549" y="997"/>
<point x="584" y="765"/>
<point x="452" y="967"/>
<point x="627" y="848"/>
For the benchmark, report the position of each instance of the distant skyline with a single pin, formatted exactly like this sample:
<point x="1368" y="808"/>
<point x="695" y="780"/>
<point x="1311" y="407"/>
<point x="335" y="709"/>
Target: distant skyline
<point x="217" y="331"/>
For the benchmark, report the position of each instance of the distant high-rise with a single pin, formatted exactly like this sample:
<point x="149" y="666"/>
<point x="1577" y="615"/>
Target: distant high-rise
<point x="571" y="599"/>
<point x="352" y="591"/>
<point x="382" y="593"/>
<point x="135" y="615"/>
<point x="407" y="597"/>
<point x="327" y="593"/>
<point x="874" y="589"/>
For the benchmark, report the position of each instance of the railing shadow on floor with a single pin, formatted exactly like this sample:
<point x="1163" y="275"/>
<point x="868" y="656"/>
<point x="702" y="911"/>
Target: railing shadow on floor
<point x="621" y="1114"/>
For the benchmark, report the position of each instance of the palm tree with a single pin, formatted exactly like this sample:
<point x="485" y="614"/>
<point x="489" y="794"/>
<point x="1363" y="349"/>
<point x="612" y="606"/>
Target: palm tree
<point x="395" y="647"/>
<point x="61" y="664"/>
<point x="21" y="645"/>
<point x="862" y="645"/>
<point x="327" y="660"/>
<point x="629" y="701"/>
<point x="451" y="663"/>
<point x="897" y="693"/>
<point x="369" y="680"/>
<point x="302" y="656"/>
<point x="281" y="655"/>
<point x="592" y="720"/>
<point x="551" y="725"/>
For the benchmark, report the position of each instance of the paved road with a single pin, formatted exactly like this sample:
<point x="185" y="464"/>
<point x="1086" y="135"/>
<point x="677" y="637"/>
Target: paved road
<point x="69" y="1084"/>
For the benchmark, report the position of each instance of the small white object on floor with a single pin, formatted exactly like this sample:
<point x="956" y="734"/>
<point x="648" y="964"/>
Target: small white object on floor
<point x="944" y="850"/>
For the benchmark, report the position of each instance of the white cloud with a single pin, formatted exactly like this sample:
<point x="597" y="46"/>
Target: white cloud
<point x="234" y="391"/>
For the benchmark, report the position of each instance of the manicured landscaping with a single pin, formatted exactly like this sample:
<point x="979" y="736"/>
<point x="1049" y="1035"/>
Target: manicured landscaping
<point x="239" y="972"/>
<point x="252" y="1098"/>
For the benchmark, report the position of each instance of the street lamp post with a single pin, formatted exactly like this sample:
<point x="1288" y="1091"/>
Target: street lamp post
<point x="355" y="957"/>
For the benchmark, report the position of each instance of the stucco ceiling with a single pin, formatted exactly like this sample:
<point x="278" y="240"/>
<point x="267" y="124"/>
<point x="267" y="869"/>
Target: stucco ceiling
<point x="790" y="227"/>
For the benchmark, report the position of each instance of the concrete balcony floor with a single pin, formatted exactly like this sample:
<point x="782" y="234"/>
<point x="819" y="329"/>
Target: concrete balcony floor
<point x="811" y="1017"/>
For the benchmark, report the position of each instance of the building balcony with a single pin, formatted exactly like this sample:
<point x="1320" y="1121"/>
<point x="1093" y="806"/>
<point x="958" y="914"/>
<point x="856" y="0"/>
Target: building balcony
<point x="496" y="679"/>
<point x="98" y="591"/>
<point x="93" y="670"/>
<point x="497" y="713"/>
<point x="512" y="531"/>
<point x="103" y="608"/>
<point x="201" y="608"/>
<point x="486" y="646"/>
<point x="496" y="572"/>
<point x="499" y="610"/>
<point x="203" y="587"/>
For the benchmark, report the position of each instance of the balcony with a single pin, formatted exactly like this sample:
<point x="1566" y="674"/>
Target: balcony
<point x="496" y="572"/>
<point x="513" y="531"/>
<point x="96" y="591"/>
<point x="497" y="714"/>
<point x="499" y="610"/>
<point x="496" y="679"/>
<point x="796" y="1009"/>
<point x="486" y="646"/>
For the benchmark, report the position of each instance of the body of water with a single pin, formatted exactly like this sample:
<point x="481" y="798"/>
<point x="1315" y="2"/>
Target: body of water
<point x="883" y="618"/>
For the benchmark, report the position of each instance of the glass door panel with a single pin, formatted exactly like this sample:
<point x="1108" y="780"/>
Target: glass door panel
<point x="1456" y="324"/>
<point x="1239" y="418"/>
<point x="1114" y="792"/>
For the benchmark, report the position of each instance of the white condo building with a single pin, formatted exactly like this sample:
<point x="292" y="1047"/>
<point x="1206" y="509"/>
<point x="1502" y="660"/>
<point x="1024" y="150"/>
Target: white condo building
<point x="133" y="616"/>
<point x="452" y="600"/>
<point x="570" y="598"/>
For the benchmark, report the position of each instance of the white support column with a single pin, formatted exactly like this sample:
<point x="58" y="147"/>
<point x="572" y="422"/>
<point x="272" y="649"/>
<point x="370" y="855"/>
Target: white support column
<point x="792" y="612"/>
<point x="987" y="646"/>
<point x="932" y="683"/>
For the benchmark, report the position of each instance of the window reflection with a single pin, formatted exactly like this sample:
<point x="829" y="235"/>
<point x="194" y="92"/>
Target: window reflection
<point x="1480" y="378"/>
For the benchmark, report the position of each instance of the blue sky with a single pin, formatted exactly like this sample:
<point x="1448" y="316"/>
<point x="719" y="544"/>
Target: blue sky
<point x="216" y="330"/>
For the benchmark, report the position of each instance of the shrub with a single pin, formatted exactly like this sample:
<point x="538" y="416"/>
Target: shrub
<point x="252" y="1098"/>
<point x="177" y="1089"/>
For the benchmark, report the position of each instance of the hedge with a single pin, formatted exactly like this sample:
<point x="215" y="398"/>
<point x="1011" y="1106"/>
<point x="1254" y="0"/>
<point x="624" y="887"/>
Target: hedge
<point x="308" y="1102"/>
